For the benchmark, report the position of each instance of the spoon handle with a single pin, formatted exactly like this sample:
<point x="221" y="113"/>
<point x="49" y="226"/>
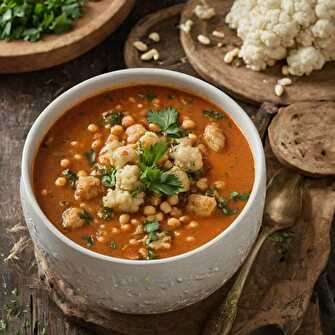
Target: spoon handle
<point x="221" y="322"/>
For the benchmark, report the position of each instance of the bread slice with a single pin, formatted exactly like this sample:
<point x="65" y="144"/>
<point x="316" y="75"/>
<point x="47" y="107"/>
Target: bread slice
<point x="302" y="136"/>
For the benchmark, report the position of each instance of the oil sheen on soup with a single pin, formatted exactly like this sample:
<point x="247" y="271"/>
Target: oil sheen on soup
<point x="143" y="172"/>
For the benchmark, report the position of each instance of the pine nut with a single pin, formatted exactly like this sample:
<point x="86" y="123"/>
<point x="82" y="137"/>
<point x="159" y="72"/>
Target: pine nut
<point x="230" y="55"/>
<point x="149" y="55"/>
<point x="285" y="81"/>
<point x="279" y="90"/>
<point x="202" y="39"/>
<point x="154" y="37"/>
<point x="218" y="34"/>
<point x="60" y="181"/>
<point x="140" y="46"/>
<point x="186" y="26"/>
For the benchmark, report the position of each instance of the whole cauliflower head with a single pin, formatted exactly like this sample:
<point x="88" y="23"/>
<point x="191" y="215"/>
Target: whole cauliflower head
<point x="303" y="31"/>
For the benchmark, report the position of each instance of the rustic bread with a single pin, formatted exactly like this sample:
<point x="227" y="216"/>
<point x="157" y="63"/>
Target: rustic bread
<point x="302" y="136"/>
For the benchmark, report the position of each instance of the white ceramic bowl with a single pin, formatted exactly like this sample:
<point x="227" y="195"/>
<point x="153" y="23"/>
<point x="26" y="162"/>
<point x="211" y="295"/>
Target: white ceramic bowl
<point x="154" y="286"/>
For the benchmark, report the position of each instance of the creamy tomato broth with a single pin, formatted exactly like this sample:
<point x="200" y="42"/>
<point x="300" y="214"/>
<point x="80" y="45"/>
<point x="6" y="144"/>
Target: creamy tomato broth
<point x="143" y="172"/>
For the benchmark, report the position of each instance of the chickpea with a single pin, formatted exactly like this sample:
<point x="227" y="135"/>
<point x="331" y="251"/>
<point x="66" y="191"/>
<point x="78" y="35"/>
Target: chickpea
<point x="135" y="222"/>
<point x="132" y="99"/>
<point x="190" y="238"/>
<point x="117" y="130"/>
<point x="188" y="124"/>
<point x="101" y="239"/>
<point x="127" y="121"/>
<point x="65" y="163"/>
<point x="202" y="184"/>
<point x="154" y="127"/>
<point x="115" y="230"/>
<point x="176" y="212"/>
<point x="96" y="144"/>
<point x="78" y="157"/>
<point x="155" y="200"/>
<point x="81" y="173"/>
<point x="184" y="219"/>
<point x="173" y="223"/>
<point x="173" y="200"/>
<point x="124" y="219"/>
<point x="74" y="143"/>
<point x="102" y="226"/>
<point x="193" y="224"/>
<point x="220" y="184"/>
<point x="92" y="128"/>
<point x="60" y="181"/>
<point x="125" y="227"/>
<point x="44" y="192"/>
<point x="165" y="207"/>
<point x="140" y="105"/>
<point x="149" y="210"/>
<point x="160" y="216"/>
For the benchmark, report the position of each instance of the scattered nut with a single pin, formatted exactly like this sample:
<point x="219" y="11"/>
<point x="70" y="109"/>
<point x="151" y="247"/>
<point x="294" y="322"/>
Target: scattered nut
<point x="186" y="27"/>
<point x="230" y="55"/>
<point x="203" y="39"/>
<point x="204" y="12"/>
<point x="284" y="81"/>
<point x="140" y="46"/>
<point x="151" y="54"/>
<point x="154" y="37"/>
<point x="279" y="90"/>
<point x="217" y="33"/>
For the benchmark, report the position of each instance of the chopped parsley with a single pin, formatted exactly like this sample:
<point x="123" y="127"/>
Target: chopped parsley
<point x="151" y="96"/>
<point x="152" y="177"/>
<point x="108" y="177"/>
<point x="71" y="177"/>
<point x="167" y="119"/>
<point x="86" y="216"/>
<point x="151" y="254"/>
<point x="239" y="196"/>
<point x="89" y="240"/>
<point x="106" y="213"/>
<point x="113" y="245"/>
<point x="213" y="114"/>
<point x="113" y="118"/>
<point x="222" y="203"/>
<point x="29" y="20"/>
<point x="151" y="226"/>
<point x="90" y="156"/>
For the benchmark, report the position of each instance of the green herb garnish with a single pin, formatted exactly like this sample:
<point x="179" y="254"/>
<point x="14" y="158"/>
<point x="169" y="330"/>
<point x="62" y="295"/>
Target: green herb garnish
<point x="113" y="118"/>
<point x="159" y="181"/>
<point x="151" y="254"/>
<point x="108" y="177"/>
<point x="28" y="20"/>
<point x="106" y="213"/>
<point x="151" y="96"/>
<point x="151" y="226"/>
<point x="89" y="240"/>
<point x="90" y="156"/>
<point x="213" y="114"/>
<point x="222" y="203"/>
<point x="71" y="177"/>
<point x="239" y="196"/>
<point x="86" y="216"/>
<point x="167" y="119"/>
<point x="113" y="245"/>
<point x="152" y="177"/>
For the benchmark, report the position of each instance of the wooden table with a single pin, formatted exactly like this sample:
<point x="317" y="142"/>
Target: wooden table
<point x="22" y="98"/>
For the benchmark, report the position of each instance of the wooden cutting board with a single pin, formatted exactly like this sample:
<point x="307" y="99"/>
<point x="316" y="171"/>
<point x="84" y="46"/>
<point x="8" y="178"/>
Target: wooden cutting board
<point x="100" y="18"/>
<point x="253" y="87"/>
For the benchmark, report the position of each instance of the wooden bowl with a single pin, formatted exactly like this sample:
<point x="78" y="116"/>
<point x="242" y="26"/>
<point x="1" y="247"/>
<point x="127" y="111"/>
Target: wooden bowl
<point x="99" y="20"/>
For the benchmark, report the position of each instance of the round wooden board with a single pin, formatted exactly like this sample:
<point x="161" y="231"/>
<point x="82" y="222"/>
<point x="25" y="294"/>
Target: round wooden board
<point x="251" y="86"/>
<point x="172" y="55"/>
<point x="99" y="20"/>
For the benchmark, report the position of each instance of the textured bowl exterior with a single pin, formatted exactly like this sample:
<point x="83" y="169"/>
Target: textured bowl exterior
<point x="143" y="287"/>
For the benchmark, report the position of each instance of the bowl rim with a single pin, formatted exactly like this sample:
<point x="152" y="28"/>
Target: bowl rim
<point x="28" y="150"/>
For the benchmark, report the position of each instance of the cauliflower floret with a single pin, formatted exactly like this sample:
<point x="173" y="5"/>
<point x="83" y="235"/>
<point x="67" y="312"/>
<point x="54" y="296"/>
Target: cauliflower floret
<point x="186" y="157"/>
<point x="127" y="178"/>
<point x="87" y="188"/>
<point x="123" y="201"/>
<point x="148" y="139"/>
<point x="305" y="60"/>
<point x="134" y="132"/>
<point x="201" y="205"/>
<point x="106" y="153"/>
<point x="182" y="176"/>
<point x="214" y="137"/>
<point x="124" y="155"/>
<point x="72" y="218"/>
<point x="272" y="30"/>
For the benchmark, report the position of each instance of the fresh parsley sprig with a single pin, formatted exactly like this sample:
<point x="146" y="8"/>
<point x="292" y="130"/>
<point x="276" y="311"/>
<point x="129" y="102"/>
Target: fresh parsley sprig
<point x="167" y="119"/>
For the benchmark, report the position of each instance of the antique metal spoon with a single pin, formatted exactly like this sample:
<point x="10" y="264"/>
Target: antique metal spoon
<point x="282" y="209"/>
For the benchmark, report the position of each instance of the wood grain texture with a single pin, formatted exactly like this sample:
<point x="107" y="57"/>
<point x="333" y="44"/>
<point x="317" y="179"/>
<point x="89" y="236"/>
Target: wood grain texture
<point x="248" y="85"/>
<point x="99" y="20"/>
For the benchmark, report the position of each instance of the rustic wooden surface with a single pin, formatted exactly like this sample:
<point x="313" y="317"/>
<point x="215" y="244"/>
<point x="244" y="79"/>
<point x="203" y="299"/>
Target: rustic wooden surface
<point x="100" y="19"/>
<point x="22" y="98"/>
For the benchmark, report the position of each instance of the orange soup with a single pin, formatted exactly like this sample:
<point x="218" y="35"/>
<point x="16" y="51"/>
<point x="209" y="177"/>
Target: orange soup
<point x="143" y="172"/>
